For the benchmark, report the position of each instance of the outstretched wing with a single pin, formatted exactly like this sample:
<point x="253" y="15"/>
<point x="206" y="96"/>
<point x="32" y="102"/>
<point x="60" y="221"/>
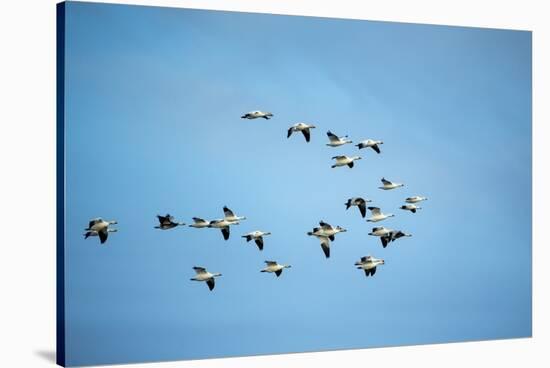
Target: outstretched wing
<point x="199" y="270"/>
<point x="270" y="263"/>
<point x="93" y="222"/>
<point x="325" y="244"/>
<point x="325" y="225"/>
<point x="165" y="220"/>
<point x="227" y="212"/>
<point x="385" y="240"/>
<point x="397" y="234"/>
<point x="375" y="148"/>
<point x="375" y="211"/>
<point x="306" y="134"/>
<point x="350" y="165"/>
<point x="386" y="182"/>
<point x="348" y="204"/>
<point x="332" y="137"/>
<point x="103" y="234"/>
<point x="289" y="132"/>
<point x="198" y="220"/>
<point x="211" y="283"/>
<point x="260" y="243"/>
<point x="278" y="273"/>
<point x="225" y="232"/>
<point x="362" y="208"/>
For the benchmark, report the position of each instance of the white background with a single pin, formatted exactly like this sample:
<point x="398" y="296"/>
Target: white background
<point x="27" y="180"/>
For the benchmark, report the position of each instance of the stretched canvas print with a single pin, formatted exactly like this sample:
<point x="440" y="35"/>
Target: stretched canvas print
<point x="234" y="184"/>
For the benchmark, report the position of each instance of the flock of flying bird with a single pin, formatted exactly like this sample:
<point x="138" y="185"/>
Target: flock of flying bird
<point x="324" y="232"/>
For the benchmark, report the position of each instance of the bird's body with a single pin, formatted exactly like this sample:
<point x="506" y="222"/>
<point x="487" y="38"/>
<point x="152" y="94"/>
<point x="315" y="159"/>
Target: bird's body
<point x="415" y="199"/>
<point x="199" y="223"/>
<point x="335" y="141"/>
<point x="388" y="185"/>
<point x="370" y="143"/>
<point x="274" y="267"/>
<point x="301" y="127"/>
<point x="410" y="207"/>
<point x="344" y="160"/>
<point x="257" y="114"/>
<point x="99" y="227"/>
<point x="167" y="222"/>
<point x="369" y="264"/>
<point x="360" y="203"/>
<point x="203" y="275"/>
<point x="257" y="236"/>
<point x="377" y="215"/>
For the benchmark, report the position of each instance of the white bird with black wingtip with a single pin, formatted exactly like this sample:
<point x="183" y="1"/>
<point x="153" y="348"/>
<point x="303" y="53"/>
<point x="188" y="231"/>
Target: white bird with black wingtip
<point x="377" y="215"/>
<point x="388" y="185"/>
<point x="387" y="235"/>
<point x="369" y="264"/>
<point x="167" y="222"/>
<point x="99" y="227"/>
<point x="415" y="199"/>
<point x="258" y="237"/>
<point x="257" y="114"/>
<point x="410" y="207"/>
<point x="301" y="127"/>
<point x="274" y="267"/>
<point x="344" y="161"/>
<point x="336" y="141"/>
<point x="203" y="275"/>
<point x="370" y="143"/>
<point x="199" y="223"/>
<point x="360" y="203"/>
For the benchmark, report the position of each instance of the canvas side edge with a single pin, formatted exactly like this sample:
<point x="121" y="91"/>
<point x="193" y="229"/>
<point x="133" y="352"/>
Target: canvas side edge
<point x="60" y="184"/>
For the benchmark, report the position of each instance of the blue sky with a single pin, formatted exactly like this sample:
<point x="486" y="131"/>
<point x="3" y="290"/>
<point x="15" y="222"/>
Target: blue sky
<point x="153" y="105"/>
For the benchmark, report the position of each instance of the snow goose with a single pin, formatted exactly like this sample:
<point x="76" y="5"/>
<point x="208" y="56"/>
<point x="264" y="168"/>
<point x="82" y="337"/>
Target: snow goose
<point x="230" y="216"/>
<point x="370" y="143"/>
<point x="344" y="160"/>
<point x="167" y="222"/>
<point x="415" y="199"/>
<point x="257" y="236"/>
<point x="325" y="241"/>
<point x="387" y="235"/>
<point x="203" y="275"/>
<point x="199" y="223"/>
<point x="301" y="127"/>
<point x="410" y="207"/>
<point x="377" y="215"/>
<point x="99" y="227"/>
<point x="368" y="264"/>
<point x="335" y="141"/>
<point x="223" y="225"/>
<point x="274" y="267"/>
<point x="257" y="114"/>
<point x="388" y="185"/>
<point x="360" y="203"/>
<point x="329" y="230"/>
